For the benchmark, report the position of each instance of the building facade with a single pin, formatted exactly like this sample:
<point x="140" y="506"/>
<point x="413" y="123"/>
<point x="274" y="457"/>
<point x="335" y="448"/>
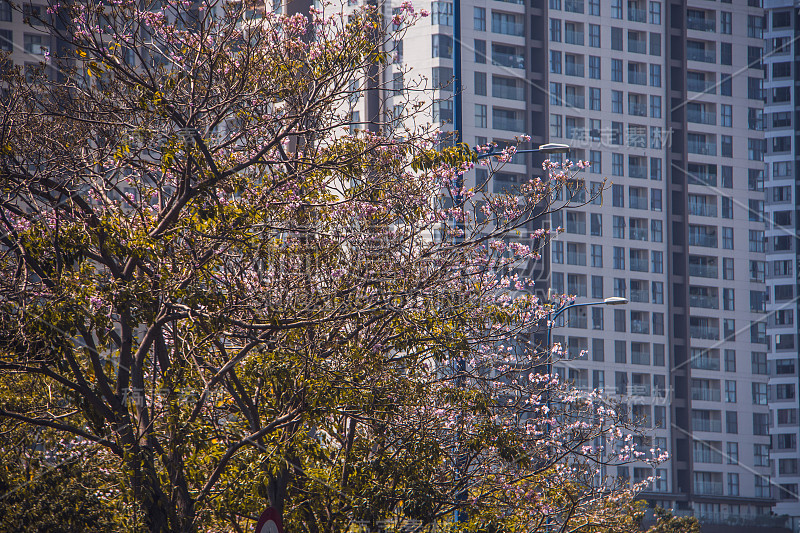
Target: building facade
<point x="665" y="99"/>
<point x="780" y="124"/>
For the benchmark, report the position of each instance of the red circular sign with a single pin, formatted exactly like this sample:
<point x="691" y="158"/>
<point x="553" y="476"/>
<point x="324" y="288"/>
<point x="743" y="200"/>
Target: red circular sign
<point x="269" y="522"/>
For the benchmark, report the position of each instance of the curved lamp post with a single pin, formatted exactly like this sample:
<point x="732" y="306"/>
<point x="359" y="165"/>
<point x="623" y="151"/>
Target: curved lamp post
<point x="551" y="317"/>
<point x="549" y="148"/>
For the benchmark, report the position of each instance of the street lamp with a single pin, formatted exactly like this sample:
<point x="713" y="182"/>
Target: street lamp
<point x="549" y="148"/>
<point x="551" y="318"/>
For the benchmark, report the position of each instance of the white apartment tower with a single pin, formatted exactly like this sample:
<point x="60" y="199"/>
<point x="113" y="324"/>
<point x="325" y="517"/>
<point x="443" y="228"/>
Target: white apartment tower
<point x="664" y="98"/>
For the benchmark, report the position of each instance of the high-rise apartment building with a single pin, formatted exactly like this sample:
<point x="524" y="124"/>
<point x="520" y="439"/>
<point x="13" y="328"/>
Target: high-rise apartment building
<point x="665" y="100"/>
<point x="781" y="31"/>
<point x="664" y="96"/>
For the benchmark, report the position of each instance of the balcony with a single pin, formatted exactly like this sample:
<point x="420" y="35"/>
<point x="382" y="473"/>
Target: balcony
<point x="755" y="522"/>
<point x="638" y="234"/>
<point x="638" y="110"/>
<point x="641" y="358"/>
<point x="636" y="14"/>
<point x="508" y="124"/>
<point x="706" y="395"/>
<point x="703" y="271"/>
<point x="575" y="100"/>
<point x="577" y="258"/>
<point x="636" y="46"/>
<point x="637" y="171"/>
<point x="506" y="27"/>
<point x="702" y="209"/>
<point x="573" y="37"/>
<point x="637" y="78"/>
<point x="701" y="117"/>
<point x="573" y="6"/>
<point x="702" y="148"/>
<point x="576" y="226"/>
<point x="700" y="239"/>
<point x="578" y="321"/>
<point x="576" y="133"/>
<point x="705" y="363"/>
<point x="700" y="24"/>
<point x="710" y="488"/>
<point x="704" y="332"/>
<point x="702" y="55"/>
<point x="639" y="265"/>
<point x="500" y="59"/>
<point x="574" y="69"/>
<point x="510" y="93"/>
<point x="702" y="175"/>
<point x="700" y="86"/>
<point x="640" y="326"/>
<point x="705" y="302"/>
<point x="638" y="295"/>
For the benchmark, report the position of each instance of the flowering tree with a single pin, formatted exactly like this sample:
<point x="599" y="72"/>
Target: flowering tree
<point x="218" y="294"/>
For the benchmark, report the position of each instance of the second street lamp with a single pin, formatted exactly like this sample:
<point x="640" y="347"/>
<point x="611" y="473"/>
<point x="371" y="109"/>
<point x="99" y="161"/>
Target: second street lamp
<point x="549" y="148"/>
<point x="552" y="316"/>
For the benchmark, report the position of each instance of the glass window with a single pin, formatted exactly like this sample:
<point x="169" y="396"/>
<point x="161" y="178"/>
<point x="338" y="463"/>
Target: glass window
<point x="480" y="51"/>
<point x="655" y="75"/>
<point x="618" y="227"/>
<point x="618" y="195"/>
<point x="657" y="262"/>
<point x="442" y="46"/>
<point x="481" y="116"/>
<point x="479" y="18"/>
<point x="656" y="231"/>
<point x="594" y="35"/>
<point x="730" y="391"/>
<point x="657" y="288"/>
<point x="617" y="164"/>
<point x="655" y="44"/>
<point x="594" y="98"/>
<point x="759" y="393"/>
<point x="555" y="61"/>
<point x="616" y="102"/>
<point x="619" y="287"/>
<point x="616" y="9"/>
<point x="725" y="24"/>
<point x="597" y="257"/>
<point x="555" y="30"/>
<point x="655" y="169"/>
<point x="655" y="13"/>
<point x="596" y="166"/>
<point x="619" y="258"/>
<point x="556" y="126"/>
<point x="655" y="106"/>
<point x="6" y="37"/>
<point x="727" y="238"/>
<point x="594" y="67"/>
<point x="480" y="83"/>
<point x="726" y="146"/>
<point x="726" y="115"/>
<point x="731" y="422"/>
<point x="616" y="70"/>
<point x="726" y="86"/>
